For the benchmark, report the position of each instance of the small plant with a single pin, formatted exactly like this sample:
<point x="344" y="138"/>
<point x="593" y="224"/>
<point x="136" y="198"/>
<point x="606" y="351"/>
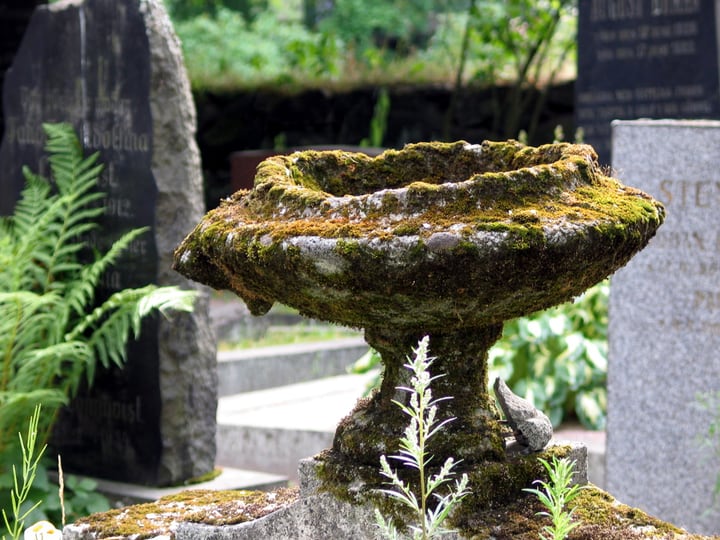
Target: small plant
<point x="21" y="485"/>
<point x="378" y="123"/>
<point x="710" y="401"/>
<point x="555" y="495"/>
<point x="422" y="411"/>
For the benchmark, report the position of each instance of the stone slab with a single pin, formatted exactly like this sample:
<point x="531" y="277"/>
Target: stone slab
<point x="664" y="329"/>
<point x="320" y="515"/>
<point x="644" y="59"/>
<point x="123" y="493"/>
<point x="114" y="70"/>
<point x="271" y="430"/>
<point x="267" y="367"/>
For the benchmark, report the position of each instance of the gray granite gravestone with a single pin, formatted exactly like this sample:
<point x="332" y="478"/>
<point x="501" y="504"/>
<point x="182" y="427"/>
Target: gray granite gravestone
<point x="113" y="68"/>
<point x="664" y="333"/>
<point x="645" y="59"/>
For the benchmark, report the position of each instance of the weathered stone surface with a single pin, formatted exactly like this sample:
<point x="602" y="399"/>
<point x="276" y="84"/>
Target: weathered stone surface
<point x="644" y="59"/>
<point x="665" y="328"/>
<point x="114" y="70"/>
<point x="320" y="515"/>
<point x="417" y="237"/>
<point x="445" y="240"/>
<point x="314" y="515"/>
<point x="530" y="426"/>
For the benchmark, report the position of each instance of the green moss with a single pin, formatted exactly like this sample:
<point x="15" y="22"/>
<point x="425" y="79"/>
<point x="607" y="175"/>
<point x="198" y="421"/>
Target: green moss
<point x="205" y="477"/>
<point x="210" y="507"/>
<point x="497" y="507"/>
<point x="502" y="230"/>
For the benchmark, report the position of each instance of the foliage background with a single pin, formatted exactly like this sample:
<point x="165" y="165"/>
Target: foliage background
<point x="311" y="43"/>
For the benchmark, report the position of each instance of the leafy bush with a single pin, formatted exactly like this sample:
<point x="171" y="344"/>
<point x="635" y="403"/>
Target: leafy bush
<point x="523" y="42"/>
<point x="558" y="358"/>
<point x="187" y="9"/>
<point x="365" y="24"/>
<point x="52" y="334"/>
<point x="224" y="49"/>
<point x="373" y="41"/>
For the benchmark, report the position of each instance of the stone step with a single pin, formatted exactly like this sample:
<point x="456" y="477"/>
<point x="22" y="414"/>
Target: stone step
<point x="271" y="430"/>
<point x="123" y="494"/>
<point x="249" y="370"/>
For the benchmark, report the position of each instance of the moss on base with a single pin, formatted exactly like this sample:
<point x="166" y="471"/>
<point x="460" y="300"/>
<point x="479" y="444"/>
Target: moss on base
<point x="210" y="507"/>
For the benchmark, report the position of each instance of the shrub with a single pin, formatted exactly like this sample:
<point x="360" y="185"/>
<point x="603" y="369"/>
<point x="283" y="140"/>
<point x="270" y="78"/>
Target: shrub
<point x="558" y="358"/>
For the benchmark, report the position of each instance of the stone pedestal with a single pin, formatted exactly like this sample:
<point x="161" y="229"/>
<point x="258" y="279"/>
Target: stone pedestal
<point x="320" y="514"/>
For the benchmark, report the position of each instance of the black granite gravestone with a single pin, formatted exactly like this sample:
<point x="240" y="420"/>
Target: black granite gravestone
<point x="113" y="69"/>
<point x="14" y="17"/>
<point x="645" y="59"/>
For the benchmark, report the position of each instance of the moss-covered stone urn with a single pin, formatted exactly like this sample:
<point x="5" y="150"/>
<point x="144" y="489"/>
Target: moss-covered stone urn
<point x="441" y="239"/>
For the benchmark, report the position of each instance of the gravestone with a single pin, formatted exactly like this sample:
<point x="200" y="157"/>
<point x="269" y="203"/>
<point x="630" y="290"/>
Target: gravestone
<point x="644" y="59"/>
<point x="14" y="17"/>
<point x="664" y="333"/>
<point x="113" y="69"/>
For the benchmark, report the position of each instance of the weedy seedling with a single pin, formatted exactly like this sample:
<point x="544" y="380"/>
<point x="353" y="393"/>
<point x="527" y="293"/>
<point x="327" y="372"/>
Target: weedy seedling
<point x="555" y="495"/>
<point x="422" y="410"/>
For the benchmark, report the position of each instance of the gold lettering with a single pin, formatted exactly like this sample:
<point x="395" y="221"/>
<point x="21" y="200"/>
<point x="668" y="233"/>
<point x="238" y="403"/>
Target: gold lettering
<point x="706" y="300"/>
<point x="119" y="207"/>
<point x="665" y="189"/>
<point x="699" y="194"/>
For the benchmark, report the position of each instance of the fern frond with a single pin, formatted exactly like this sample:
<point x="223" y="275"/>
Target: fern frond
<point x="48" y="340"/>
<point x="60" y="365"/>
<point x="167" y="299"/>
<point x="82" y="291"/>
<point x="31" y="229"/>
<point x="112" y="322"/>
<point x="70" y="170"/>
<point x="28" y="322"/>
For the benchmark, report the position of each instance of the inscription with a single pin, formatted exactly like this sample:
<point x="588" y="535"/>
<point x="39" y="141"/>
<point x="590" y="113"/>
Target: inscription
<point x="615" y="10"/>
<point x="674" y="7"/>
<point x="119" y="207"/>
<point x="684" y="193"/>
<point x="102" y="410"/>
<point x="630" y="57"/>
<point x="706" y="300"/>
<point x="119" y="140"/>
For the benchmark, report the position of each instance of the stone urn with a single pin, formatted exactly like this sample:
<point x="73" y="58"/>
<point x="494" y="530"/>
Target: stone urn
<point x="440" y="239"/>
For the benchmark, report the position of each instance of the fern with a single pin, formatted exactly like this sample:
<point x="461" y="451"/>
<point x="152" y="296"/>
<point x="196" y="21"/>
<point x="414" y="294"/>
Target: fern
<point x="52" y="336"/>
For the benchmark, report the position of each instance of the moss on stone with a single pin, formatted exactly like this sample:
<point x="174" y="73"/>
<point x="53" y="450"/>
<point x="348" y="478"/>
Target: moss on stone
<point x="210" y="507"/>
<point x="455" y="188"/>
<point x="441" y="239"/>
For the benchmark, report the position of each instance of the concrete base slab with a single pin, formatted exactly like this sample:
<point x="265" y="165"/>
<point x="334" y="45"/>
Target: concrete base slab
<point x="271" y="430"/>
<point x="123" y="494"/>
<point x="321" y="515"/>
<point x="268" y="367"/>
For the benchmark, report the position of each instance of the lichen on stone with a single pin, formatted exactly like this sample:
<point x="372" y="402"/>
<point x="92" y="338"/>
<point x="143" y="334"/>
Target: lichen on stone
<point x="288" y="239"/>
<point x="441" y="239"/>
<point x="161" y="518"/>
